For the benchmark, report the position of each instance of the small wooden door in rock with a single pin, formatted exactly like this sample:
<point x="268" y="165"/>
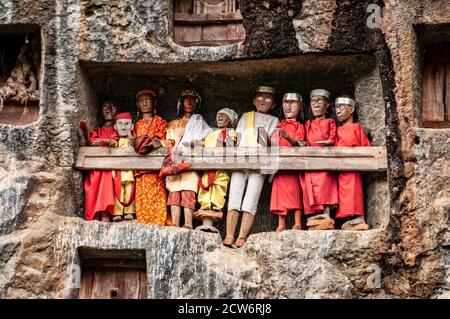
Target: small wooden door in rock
<point x="436" y="86"/>
<point x="208" y="22"/>
<point x="113" y="279"/>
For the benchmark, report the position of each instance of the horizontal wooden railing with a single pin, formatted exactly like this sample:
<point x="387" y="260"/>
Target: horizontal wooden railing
<point x="366" y="159"/>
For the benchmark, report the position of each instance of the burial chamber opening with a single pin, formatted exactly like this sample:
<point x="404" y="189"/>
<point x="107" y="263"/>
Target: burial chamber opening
<point x="20" y="69"/>
<point x="112" y="273"/>
<point x="232" y="84"/>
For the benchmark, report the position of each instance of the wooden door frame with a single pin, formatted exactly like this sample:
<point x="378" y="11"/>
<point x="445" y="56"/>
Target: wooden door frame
<point x="90" y="266"/>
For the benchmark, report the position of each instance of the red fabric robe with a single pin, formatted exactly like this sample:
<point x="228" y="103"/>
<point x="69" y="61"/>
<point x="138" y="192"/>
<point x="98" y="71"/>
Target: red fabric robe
<point x="98" y="185"/>
<point x="286" y="192"/>
<point x="319" y="187"/>
<point x="351" y="198"/>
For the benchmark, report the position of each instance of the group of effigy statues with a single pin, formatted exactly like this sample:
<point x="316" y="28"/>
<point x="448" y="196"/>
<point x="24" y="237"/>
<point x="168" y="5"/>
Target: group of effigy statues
<point x="145" y="195"/>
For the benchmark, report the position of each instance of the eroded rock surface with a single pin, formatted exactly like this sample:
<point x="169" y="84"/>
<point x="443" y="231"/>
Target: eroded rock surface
<point x="43" y="261"/>
<point x="41" y="195"/>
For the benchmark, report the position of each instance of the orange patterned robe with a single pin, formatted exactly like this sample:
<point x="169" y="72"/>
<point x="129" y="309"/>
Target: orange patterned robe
<point x="150" y="189"/>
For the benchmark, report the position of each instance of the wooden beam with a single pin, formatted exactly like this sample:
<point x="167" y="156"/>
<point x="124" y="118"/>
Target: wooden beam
<point x="207" y="18"/>
<point x="369" y="159"/>
<point x="209" y="43"/>
<point x="115" y="263"/>
<point x="445" y="124"/>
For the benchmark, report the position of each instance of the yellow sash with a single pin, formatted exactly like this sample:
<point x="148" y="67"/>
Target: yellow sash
<point x="211" y="139"/>
<point x="251" y="139"/>
<point x="127" y="176"/>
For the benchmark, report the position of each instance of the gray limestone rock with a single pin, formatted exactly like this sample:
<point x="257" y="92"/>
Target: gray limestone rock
<point x="94" y="49"/>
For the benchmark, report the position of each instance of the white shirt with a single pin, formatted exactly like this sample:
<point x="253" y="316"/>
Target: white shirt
<point x="266" y="121"/>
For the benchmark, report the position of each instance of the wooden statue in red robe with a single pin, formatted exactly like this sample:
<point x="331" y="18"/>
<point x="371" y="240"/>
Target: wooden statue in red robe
<point x="98" y="185"/>
<point x="319" y="188"/>
<point x="286" y="192"/>
<point x="351" y="199"/>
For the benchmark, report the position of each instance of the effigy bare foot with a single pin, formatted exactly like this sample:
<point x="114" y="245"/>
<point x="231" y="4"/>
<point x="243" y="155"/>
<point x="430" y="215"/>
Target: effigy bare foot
<point x="129" y="217"/>
<point x="355" y="224"/>
<point x="297" y="227"/>
<point x="187" y="227"/>
<point x="239" y="242"/>
<point x="208" y="229"/>
<point x="216" y="215"/>
<point x="105" y="218"/>
<point x="320" y="222"/>
<point x="324" y="226"/>
<point x="117" y="219"/>
<point x="280" y="229"/>
<point x="228" y="241"/>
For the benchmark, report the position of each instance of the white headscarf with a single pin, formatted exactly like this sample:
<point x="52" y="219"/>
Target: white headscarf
<point x="196" y="129"/>
<point x="231" y="114"/>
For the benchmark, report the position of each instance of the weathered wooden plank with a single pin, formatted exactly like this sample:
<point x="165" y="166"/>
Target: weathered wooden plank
<point x="286" y="151"/>
<point x="375" y="151"/>
<point x="80" y="160"/>
<point x="437" y="125"/>
<point x="116" y="151"/>
<point x="143" y="285"/>
<point x="121" y="285"/>
<point x="433" y="92"/>
<point x="337" y="164"/>
<point x="188" y="33"/>
<point x="235" y="31"/>
<point x="207" y="43"/>
<point x="447" y="93"/>
<point x="333" y="164"/>
<point x="86" y="283"/>
<point x="207" y="18"/>
<point x="131" y="284"/>
<point x="300" y="158"/>
<point x="116" y="263"/>
<point x="104" y="282"/>
<point x="214" y="33"/>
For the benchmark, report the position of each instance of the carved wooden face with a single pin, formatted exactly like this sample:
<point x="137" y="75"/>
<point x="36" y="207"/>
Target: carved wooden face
<point x="188" y="104"/>
<point x="109" y="111"/>
<point x="146" y="103"/>
<point x="319" y="105"/>
<point x="124" y="127"/>
<point x="223" y="121"/>
<point x="344" y="112"/>
<point x="264" y="102"/>
<point x="291" y="109"/>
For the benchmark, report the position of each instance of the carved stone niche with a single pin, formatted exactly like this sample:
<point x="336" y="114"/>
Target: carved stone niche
<point x="20" y="64"/>
<point x="232" y="83"/>
<point x="432" y="75"/>
<point x="208" y="22"/>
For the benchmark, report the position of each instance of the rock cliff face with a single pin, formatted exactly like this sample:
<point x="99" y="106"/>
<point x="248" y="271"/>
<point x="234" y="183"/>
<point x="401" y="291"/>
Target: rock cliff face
<point x="90" y="47"/>
<point x="44" y="261"/>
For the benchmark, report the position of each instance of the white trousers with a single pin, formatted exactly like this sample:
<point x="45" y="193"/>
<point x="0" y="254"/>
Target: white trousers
<point x="250" y="183"/>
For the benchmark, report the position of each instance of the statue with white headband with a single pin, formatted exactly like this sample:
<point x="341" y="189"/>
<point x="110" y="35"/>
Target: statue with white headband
<point x="350" y="211"/>
<point x="319" y="188"/>
<point x="286" y="194"/>
<point x="213" y="185"/>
